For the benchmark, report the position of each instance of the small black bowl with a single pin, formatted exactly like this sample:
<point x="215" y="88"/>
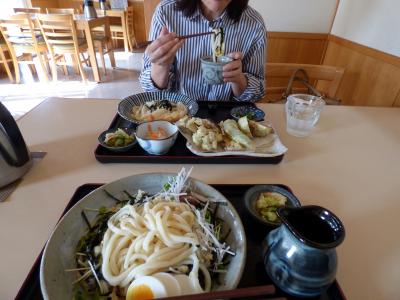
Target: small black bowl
<point x="252" y="113"/>
<point x="254" y="192"/>
<point x="129" y="131"/>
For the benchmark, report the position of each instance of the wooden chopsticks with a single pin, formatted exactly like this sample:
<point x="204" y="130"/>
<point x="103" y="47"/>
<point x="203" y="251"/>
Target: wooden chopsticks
<point x="236" y="293"/>
<point x="145" y="44"/>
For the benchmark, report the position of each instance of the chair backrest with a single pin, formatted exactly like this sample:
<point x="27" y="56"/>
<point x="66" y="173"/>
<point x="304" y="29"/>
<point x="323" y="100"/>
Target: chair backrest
<point x="277" y="77"/>
<point x="60" y="11"/>
<point x="19" y="31"/>
<point x="32" y="10"/>
<point x="129" y="17"/>
<point x="59" y="31"/>
<point x="2" y="41"/>
<point x="130" y="23"/>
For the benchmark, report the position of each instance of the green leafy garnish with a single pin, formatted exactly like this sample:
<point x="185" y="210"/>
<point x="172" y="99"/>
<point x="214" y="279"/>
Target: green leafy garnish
<point x="167" y="186"/>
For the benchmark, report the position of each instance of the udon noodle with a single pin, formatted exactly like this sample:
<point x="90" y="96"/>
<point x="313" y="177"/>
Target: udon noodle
<point x="175" y="231"/>
<point x="217" y="43"/>
<point x="145" y="239"/>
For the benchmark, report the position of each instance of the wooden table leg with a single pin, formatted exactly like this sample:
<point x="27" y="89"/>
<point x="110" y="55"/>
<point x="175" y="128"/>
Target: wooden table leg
<point x="92" y="53"/>
<point x="110" y="47"/>
<point x="125" y="32"/>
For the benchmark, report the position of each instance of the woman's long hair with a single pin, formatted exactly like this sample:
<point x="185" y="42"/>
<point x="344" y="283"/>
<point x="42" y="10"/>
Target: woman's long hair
<point x="234" y="9"/>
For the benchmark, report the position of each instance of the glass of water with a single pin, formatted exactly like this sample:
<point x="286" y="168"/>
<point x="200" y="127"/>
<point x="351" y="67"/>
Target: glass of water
<point x="302" y="113"/>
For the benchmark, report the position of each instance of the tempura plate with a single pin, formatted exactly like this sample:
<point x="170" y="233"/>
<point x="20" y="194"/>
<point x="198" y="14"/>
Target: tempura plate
<point x="268" y="146"/>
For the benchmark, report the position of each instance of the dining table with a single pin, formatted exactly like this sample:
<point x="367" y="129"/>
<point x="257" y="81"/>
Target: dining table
<point x="350" y="164"/>
<point x="87" y="25"/>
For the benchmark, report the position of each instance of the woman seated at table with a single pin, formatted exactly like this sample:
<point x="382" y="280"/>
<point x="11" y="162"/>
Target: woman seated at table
<point x="174" y="64"/>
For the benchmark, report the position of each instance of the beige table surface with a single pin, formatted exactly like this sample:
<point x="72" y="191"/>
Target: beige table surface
<point x="350" y="165"/>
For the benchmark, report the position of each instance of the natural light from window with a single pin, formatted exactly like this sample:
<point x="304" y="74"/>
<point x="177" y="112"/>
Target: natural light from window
<point x="7" y="6"/>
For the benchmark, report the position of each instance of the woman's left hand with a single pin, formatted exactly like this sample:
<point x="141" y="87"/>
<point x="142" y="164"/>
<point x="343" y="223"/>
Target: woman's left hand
<point x="232" y="72"/>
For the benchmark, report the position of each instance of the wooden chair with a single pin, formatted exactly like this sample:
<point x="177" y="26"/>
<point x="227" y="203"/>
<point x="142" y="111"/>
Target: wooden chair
<point x="101" y="42"/>
<point x="60" y="34"/>
<point x="20" y="36"/>
<point x="117" y="31"/>
<point x="70" y="11"/>
<point x="3" y="59"/>
<point x="129" y="28"/>
<point x="32" y="10"/>
<point x="62" y="11"/>
<point x="277" y="76"/>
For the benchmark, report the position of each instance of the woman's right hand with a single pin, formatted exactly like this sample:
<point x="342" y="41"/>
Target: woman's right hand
<point x="162" y="51"/>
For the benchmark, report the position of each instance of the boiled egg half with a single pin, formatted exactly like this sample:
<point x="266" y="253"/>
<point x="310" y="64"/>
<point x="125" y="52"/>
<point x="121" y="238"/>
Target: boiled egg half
<point x="159" y="285"/>
<point x="146" y="288"/>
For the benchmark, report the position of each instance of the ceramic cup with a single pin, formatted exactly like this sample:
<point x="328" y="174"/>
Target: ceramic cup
<point x="212" y="71"/>
<point x="156" y="146"/>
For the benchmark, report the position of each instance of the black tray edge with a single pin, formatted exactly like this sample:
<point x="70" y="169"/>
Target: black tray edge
<point x="172" y="159"/>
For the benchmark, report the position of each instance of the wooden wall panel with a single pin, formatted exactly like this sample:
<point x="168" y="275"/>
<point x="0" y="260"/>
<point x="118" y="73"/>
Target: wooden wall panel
<point x="44" y="3"/>
<point x="372" y="78"/>
<point x="294" y="47"/>
<point x="397" y="101"/>
<point x="149" y="8"/>
<point x="139" y="20"/>
<point x="77" y="4"/>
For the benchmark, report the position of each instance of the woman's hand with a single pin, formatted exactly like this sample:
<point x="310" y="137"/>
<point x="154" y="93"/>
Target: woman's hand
<point x="232" y="72"/>
<point x="162" y="52"/>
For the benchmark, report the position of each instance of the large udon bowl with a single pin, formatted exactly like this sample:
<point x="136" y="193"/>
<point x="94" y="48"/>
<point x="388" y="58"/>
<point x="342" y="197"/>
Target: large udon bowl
<point x="126" y="104"/>
<point x="59" y="252"/>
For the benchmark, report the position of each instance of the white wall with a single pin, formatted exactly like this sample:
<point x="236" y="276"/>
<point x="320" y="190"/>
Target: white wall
<point x="7" y="6"/>
<point x="372" y="23"/>
<point x="315" y="16"/>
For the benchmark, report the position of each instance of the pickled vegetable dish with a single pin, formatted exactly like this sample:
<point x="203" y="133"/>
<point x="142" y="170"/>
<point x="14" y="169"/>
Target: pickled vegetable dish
<point x="119" y="138"/>
<point x="267" y="204"/>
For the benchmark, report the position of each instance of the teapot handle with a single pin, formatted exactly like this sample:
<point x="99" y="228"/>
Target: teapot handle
<point x="15" y="139"/>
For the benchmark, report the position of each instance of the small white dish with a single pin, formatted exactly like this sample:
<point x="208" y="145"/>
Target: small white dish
<point x="156" y="137"/>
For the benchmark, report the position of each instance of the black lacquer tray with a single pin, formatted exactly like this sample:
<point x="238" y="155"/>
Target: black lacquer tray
<point x="179" y="153"/>
<point x="253" y="275"/>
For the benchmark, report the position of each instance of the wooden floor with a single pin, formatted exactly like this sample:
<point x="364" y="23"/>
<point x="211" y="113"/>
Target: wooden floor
<point x="118" y="83"/>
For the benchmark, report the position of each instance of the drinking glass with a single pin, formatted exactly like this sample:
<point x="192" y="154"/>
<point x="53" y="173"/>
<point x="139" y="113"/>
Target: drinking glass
<point x="302" y="113"/>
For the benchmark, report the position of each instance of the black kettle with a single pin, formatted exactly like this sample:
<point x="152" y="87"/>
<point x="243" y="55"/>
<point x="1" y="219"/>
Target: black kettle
<point x="15" y="158"/>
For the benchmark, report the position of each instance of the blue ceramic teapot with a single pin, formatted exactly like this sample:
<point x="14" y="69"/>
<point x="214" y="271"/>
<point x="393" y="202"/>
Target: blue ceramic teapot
<point x="300" y="255"/>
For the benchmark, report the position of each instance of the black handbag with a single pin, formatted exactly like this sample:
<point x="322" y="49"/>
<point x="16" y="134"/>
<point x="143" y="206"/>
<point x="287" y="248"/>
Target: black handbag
<point x="300" y="75"/>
